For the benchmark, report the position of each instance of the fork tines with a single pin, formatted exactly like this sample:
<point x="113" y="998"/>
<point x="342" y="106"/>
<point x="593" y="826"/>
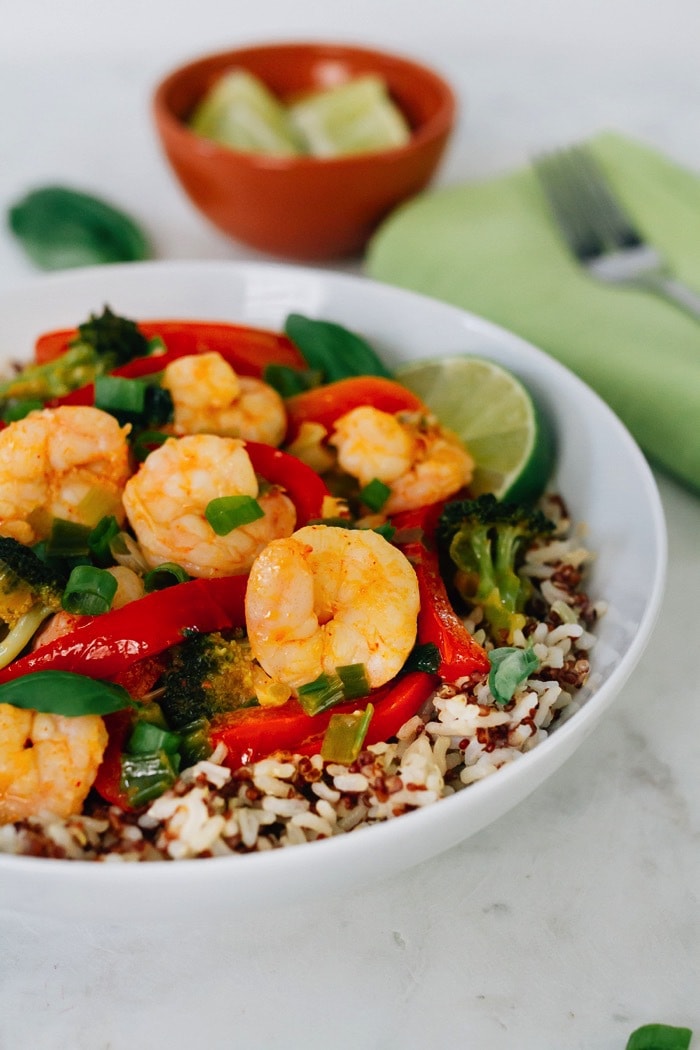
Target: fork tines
<point x="590" y="218"/>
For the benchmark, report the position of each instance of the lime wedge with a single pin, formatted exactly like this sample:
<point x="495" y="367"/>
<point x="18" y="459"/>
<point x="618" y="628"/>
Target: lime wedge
<point x="239" y="111"/>
<point x="495" y="416"/>
<point x="355" y="117"/>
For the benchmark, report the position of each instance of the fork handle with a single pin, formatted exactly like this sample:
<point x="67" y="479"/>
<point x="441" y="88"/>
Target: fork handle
<point x="674" y="292"/>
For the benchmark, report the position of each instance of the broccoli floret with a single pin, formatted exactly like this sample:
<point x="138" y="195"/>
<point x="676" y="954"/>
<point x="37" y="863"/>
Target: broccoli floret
<point x="30" y="591"/>
<point x="486" y="540"/>
<point x="210" y="674"/>
<point x="102" y="343"/>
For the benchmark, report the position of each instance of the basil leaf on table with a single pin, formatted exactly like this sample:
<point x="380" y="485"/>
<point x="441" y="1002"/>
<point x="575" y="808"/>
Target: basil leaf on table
<point x="60" y="228"/>
<point x="64" y="693"/>
<point x="333" y="350"/>
<point x="659" y="1037"/>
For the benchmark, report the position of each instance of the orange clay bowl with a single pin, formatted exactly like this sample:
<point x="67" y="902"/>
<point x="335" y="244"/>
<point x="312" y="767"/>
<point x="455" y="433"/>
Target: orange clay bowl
<point x="303" y="208"/>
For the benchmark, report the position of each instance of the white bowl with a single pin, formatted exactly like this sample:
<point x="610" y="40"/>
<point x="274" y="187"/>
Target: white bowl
<point x="601" y="473"/>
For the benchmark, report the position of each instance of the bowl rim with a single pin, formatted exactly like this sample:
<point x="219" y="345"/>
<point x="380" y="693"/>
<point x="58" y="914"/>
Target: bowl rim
<point x="55" y="874"/>
<point x="437" y="125"/>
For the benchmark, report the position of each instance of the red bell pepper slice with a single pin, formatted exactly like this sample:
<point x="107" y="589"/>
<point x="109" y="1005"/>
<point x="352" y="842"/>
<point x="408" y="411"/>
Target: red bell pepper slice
<point x="104" y="646"/>
<point x="108" y="782"/>
<point x="303" y="485"/>
<point x="438" y="623"/>
<point x="256" y="732"/>
<point x="248" y="350"/>
<point x="325" y="404"/>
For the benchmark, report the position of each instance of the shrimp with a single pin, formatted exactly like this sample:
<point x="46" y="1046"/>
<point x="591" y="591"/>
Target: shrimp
<point x="61" y="463"/>
<point x="166" y="499"/>
<point x="327" y="597"/>
<point x="48" y="763"/>
<point x="419" y="460"/>
<point x="209" y="398"/>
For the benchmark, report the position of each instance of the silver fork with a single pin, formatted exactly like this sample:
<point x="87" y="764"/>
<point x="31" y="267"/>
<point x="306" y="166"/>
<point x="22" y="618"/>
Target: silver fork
<point x="599" y="232"/>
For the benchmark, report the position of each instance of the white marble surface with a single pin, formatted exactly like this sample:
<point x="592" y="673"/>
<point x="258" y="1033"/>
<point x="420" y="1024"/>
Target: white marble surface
<point x="575" y="918"/>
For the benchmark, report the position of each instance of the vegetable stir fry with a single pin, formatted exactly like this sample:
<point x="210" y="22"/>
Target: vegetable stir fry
<point x="222" y="546"/>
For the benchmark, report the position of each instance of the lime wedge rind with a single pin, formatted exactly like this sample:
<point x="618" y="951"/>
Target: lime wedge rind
<point x="495" y="416"/>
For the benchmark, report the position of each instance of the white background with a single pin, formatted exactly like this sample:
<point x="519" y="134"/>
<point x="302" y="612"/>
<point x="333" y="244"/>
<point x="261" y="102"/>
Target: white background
<point x="575" y="918"/>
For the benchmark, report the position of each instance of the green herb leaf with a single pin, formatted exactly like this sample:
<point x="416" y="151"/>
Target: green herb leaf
<point x="59" y="228"/>
<point x="332" y="349"/>
<point x="510" y="667"/>
<point x="425" y="657"/>
<point x="229" y="512"/>
<point x="659" y="1037"/>
<point x="289" y="381"/>
<point x="64" y="693"/>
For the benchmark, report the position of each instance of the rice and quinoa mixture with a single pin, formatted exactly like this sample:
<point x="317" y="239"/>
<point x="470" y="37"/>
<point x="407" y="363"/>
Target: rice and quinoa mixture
<point x="460" y="736"/>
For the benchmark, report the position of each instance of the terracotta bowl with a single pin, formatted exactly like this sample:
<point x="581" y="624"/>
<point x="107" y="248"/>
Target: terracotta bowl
<point x="303" y="208"/>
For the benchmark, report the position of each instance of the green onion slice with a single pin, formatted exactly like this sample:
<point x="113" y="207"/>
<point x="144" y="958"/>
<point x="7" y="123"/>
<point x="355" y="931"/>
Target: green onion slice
<point x="147" y="739"/>
<point x="227" y="513"/>
<point x="510" y="667"/>
<point x="89" y="591"/>
<point x="165" y="575"/>
<point x="324" y="692"/>
<point x="100" y="538"/>
<point x="345" y="735"/>
<point x="375" y="494"/>
<point x="116" y="394"/>
<point x="146" y="776"/>
<point x="18" y="409"/>
<point x="354" y="679"/>
<point x="68" y="539"/>
<point x="64" y="693"/>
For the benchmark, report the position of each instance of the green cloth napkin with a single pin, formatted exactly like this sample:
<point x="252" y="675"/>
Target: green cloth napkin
<point x="491" y="247"/>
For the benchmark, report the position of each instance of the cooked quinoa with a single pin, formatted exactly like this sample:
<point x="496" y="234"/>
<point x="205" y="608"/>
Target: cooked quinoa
<point x="460" y="736"/>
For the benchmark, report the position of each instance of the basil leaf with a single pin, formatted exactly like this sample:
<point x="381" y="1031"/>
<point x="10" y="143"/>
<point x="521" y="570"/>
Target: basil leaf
<point x="510" y="667"/>
<point x="332" y="349"/>
<point x="659" y="1037"/>
<point x="64" y="693"/>
<point x="424" y="657"/>
<point x="59" y="228"/>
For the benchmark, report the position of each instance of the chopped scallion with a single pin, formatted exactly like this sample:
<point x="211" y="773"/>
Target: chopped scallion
<point x="100" y="539"/>
<point x="118" y="395"/>
<point x="17" y="409"/>
<point x="375" y="494"/>
<point x="147" y="739"/>
<point x="354" y="679"/>
<point x="324" y="692"/>
<point x="89" y="591"/>
<point x="145" y="777"/>
<point x="68" y="539"/>
<point x="230" y="512"/>
<point x="345" y="736"/>
<point x="165" y="575"/>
